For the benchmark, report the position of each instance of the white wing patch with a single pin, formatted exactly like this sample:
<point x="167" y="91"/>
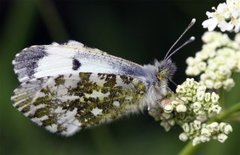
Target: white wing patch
<point x="96" y="111"/>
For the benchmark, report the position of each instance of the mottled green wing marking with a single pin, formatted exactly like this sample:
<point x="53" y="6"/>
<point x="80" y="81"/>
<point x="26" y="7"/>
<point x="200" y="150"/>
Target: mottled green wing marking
<point x="68" y="103"/>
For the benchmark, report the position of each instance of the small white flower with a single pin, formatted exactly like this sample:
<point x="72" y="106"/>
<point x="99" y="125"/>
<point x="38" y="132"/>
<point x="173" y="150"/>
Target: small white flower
<point x="165" y="125"/>
<point x="226" y="16"/>
<point x="171" y="122"/>
<point x="196" y="141"/>
<point x="168" y="108"/>
<point x="200" y="95"/>
<point x="201" y="88"/>
<point x="201" y="116"/>
<point x="202" y="66"/>
<point x="181" y="108"/>
<point x="225" y="26"/>
<point x="180" y="89"/>
<point x="213" y="126"/>
<point x="197" y="124"/>
<point x="216" y="108"/>
<point x="206" y="132"/>
<point x="228" y="84"/>
<point x="166" y="115"/>
<point x="211" y="74"/>
<point x="211" y="23"/>
<point x="209" y="83"/>
<point x="196" y="106"/>
<point x="207" y="97"/>
<point x="204" y="138"/>
<point x="191" y="60"/>
<point x="211" y="37"/>
<point x="214" y="97"/>
<point x="190" y="82"/>
<point x="222" y="125"/>
<point x="217" y="85"/>
<point x="222" y="137"/>
<point x="224" y="71"/>
<point x="186" y="127"/>
<point x="183" y="137"/>
<point x="227" y="129"/>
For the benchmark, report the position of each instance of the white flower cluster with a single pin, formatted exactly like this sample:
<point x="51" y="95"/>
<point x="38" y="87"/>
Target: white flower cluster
<point x="191" y="107"/>
<point x="226" y="16"/>
<point x="218" y="59"/>
<point x="201" y="132"/>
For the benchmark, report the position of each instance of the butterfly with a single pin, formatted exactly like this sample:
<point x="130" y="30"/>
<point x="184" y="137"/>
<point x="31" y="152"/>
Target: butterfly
<point x="69" y="87"/>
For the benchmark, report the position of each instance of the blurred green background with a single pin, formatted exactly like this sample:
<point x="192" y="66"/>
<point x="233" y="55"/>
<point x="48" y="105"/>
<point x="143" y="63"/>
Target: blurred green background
<point x="135" y="30"/>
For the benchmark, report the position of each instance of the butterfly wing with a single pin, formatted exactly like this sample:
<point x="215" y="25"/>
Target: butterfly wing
<point x="67" y="103"/>
<point x="67" y="87"/>
<point x="70" y="58"/>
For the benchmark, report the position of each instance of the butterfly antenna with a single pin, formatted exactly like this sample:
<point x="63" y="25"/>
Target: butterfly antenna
<point x="191" y="39"/>
<point x="189" y="26"/>
<point x="172" y="82"/>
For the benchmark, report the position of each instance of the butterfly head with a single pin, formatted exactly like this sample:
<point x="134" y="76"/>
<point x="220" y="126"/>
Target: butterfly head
<point x="165" y="69"/>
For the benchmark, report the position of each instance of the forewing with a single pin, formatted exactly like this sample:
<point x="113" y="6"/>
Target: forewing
<point x="70" y="58"/>
<point x="67" y="103"/>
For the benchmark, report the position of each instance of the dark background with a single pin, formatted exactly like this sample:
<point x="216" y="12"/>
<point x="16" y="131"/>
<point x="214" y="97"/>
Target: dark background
<point x="139" y="31"/>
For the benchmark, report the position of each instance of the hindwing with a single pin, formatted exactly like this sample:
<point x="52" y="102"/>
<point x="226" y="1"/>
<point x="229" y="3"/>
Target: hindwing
<point x="67" y="103"/>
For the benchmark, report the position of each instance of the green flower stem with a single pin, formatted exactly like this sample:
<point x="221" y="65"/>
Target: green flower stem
<point x="189" y="149"/>
<point x="228" y="112"/>
<point x="221" y="100"/>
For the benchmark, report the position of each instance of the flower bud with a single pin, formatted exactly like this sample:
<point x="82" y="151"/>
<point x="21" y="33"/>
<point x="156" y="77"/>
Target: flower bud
<point x="183" y="137"/>
<point x="168" y="108"/>
<point x="181" y="108"/>
<point x="222" y="137"/>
